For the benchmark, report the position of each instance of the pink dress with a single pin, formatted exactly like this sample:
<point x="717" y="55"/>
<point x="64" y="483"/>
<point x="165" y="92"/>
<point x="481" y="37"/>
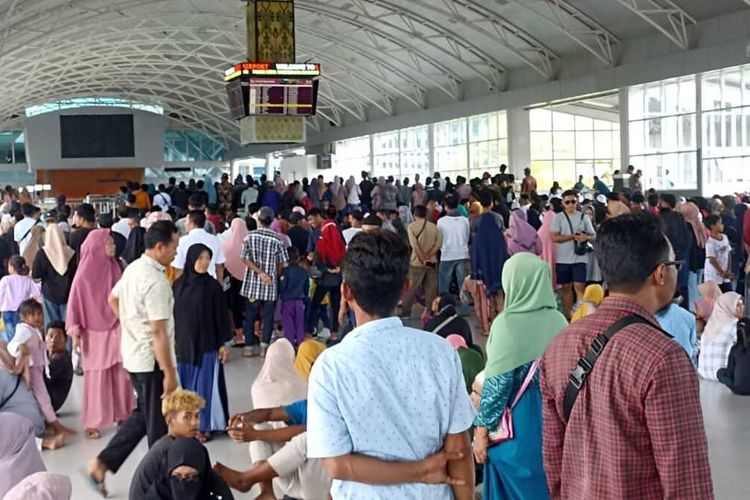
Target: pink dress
<point x="32" y="337"/>
<point x="548" y="246"/>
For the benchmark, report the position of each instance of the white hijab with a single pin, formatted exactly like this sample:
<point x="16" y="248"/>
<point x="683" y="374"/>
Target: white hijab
<point x="278" y="383"/>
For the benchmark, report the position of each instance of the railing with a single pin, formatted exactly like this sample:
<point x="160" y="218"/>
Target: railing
<point x="102" y="203"/>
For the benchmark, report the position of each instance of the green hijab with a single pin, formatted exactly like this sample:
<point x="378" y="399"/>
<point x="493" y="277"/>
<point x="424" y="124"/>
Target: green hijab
<point x="530" y="319"/>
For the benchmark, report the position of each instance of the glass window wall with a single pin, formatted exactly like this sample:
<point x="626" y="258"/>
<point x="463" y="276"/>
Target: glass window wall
<point x="662" y="133"/>
<point x="565" y="146"/>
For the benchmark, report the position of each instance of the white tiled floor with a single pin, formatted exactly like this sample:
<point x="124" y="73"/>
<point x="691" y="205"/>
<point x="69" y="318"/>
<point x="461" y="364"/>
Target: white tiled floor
<point x="727" y="419"/>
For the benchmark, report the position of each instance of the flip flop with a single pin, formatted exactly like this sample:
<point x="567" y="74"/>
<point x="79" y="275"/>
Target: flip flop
<point x="97" y="484"/>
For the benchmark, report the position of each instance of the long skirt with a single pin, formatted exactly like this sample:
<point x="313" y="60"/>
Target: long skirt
<point x="208" y="381"/>
<point x="108" y="396"/>
<point x="514" y="469"/>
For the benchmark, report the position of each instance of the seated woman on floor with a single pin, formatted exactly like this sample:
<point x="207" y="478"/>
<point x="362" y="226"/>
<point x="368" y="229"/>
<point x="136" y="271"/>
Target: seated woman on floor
<point x="736" y="375"/>
<point x="446" y="320"/>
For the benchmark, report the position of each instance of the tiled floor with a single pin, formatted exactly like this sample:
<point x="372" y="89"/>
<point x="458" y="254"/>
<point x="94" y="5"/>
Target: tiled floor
<point x="727" y="420"/>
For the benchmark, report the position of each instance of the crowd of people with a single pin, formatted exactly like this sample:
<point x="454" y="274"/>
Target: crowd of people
<point x="334" y="285"/>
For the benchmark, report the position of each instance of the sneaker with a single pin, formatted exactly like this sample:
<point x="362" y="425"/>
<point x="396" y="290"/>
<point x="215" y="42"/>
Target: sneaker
<point x="325" y="333"/>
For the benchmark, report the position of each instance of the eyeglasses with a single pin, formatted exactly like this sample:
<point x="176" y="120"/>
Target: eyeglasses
<point x="570" y="202"/>
<point x="677" y="264"/>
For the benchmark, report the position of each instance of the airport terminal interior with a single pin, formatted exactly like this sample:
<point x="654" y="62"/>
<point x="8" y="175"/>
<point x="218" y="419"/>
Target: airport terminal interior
<point x="234" y="197"/>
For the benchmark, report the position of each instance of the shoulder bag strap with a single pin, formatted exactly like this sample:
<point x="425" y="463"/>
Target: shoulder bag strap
<point x="585" y="365"/>
<point x="526" y="382"/>
<point x="29" y="231"/>
<point x="13" y="392"/>
<point x="444" y="323"/>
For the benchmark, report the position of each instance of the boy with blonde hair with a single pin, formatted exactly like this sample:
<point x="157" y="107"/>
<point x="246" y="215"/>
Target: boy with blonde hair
<point x="181" y="410"/>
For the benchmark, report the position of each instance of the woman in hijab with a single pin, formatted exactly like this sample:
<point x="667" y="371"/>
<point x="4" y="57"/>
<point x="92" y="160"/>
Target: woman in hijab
<point x="709" y="292"/>
<point x="52" y="266"/>
<point x="720" y="335"/>
<point x="353" y="193"/>
<point x="201" y="325"/>
<point x="188" y="475"/>
<point x="19" y="455"/>
<point x="698" y="237"/>
<point x="338" y="194"/>
<point x="488" y="256"/>
<point x="419" y="195"/>
<point x="520" y="334"/>
<point x="521" y="236"/>
<point x="548" y="246"/>
<point x="135" y="246"/>
<point x="42" y="486"/>
<point x="472" y="362"/>
<point x="314" y="192"/>
<point x="210" y="189"/>
<point x="95" y="329"/>
<point x="308" y="352"/>
<point x="280" y="185"/>
<point x="593" y="296"/>
<point x="232" y="247"/>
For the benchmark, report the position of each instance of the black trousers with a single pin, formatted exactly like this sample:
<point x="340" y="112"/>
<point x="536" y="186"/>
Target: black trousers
<point x="146" y="420"/>
<point x="317" y="298"/>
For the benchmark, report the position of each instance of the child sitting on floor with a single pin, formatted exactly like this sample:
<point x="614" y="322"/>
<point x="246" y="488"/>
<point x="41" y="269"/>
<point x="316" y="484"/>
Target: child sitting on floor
<point x="28" y="348"/>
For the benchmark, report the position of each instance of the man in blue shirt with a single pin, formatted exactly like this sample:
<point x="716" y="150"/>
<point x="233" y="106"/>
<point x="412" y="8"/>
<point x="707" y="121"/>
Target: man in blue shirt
<point x="387" y="392"/>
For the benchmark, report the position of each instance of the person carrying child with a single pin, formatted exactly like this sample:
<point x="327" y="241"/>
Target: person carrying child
<point x="28" y="348"/>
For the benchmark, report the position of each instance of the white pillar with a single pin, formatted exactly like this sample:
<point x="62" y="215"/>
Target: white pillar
<point x="624" y="130"/>
<point x="269" y="168"/>
<point x="519" y="141"/>
<point x="699" y="135"/>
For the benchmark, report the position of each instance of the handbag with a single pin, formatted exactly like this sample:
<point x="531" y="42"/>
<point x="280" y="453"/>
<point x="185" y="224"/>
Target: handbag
<point x="504" y="431"/>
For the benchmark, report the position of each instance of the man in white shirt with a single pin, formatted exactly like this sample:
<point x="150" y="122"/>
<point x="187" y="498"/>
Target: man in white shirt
<point x="196" y="220"/>
<point x="355" y="221"/>
<point x="249" y="196"/>
<point x="454" y="230"/>
<point x="23" y="228"/>
<point x="162" y="199"/>
<point x="122" y="226"/>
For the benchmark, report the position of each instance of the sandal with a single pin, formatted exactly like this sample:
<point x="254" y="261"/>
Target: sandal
<point x="97" y="484"/>
<point x="93" y="434"/>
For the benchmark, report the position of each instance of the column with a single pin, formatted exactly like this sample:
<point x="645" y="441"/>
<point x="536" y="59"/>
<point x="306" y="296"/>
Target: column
<point x="269" y="167"/>
<point x="624" y="129"/>
<point x="699" y="134"/>
<point x="519" y="141"/>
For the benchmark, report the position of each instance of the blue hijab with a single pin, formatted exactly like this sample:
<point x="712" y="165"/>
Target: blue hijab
<point x="488" y="254"/>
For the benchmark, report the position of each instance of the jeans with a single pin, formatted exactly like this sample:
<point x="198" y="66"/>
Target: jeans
<point x="53" y="311"/>
<point x="251" y="312"/>
<point x="146" y="420"/>
<point x="447" y="270"/>
<point x="11" y="319"/>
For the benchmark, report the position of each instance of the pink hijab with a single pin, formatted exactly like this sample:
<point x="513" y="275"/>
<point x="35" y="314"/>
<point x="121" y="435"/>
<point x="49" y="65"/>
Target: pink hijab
<point x="232" y="248"/>
<point x="19" y="456"/>
<point x="42" y="486"/>
<point x="692" y="215"/>
<point x="548" y="246"/>
<point x="96" y="276"/>
<point x="521" y="236"/>
<point x="456" y="341"/>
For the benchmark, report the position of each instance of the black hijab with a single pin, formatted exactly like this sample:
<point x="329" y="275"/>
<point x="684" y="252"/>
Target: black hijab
<point x="202" y="324"/>
<point x="120" y="244"/>
<point x="135" y="246"/>
<point x="207" y="484"/>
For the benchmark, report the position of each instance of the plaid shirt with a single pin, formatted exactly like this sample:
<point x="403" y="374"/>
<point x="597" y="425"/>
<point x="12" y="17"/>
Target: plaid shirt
<point x="714" y="353"/>
<point x="636" y="430"/>
<point x="265" y="249"/>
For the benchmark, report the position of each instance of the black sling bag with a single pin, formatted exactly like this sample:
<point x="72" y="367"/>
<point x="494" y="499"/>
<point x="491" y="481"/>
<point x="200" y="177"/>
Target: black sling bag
<point x="582" y="370"/>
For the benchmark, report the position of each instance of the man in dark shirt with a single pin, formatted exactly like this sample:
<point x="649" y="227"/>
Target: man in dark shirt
<point x="676" y="229"/>
<point x="60" y="365"/>
<point x="84" y="221"/>
<point x="635" y="429"/>
<point x="366" y="191"/>
<point x="298" y="235"/>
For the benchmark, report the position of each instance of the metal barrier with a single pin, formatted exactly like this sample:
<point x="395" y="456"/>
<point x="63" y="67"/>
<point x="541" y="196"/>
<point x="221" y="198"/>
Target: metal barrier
<point x="102" y="203"/>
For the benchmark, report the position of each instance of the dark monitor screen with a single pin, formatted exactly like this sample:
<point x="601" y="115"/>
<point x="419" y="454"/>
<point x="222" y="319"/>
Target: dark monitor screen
<point x="97" y="136"/>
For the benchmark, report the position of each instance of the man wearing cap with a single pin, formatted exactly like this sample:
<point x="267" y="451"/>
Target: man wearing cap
<point x="371" y="223"/>
<point x="264" y="255"/>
